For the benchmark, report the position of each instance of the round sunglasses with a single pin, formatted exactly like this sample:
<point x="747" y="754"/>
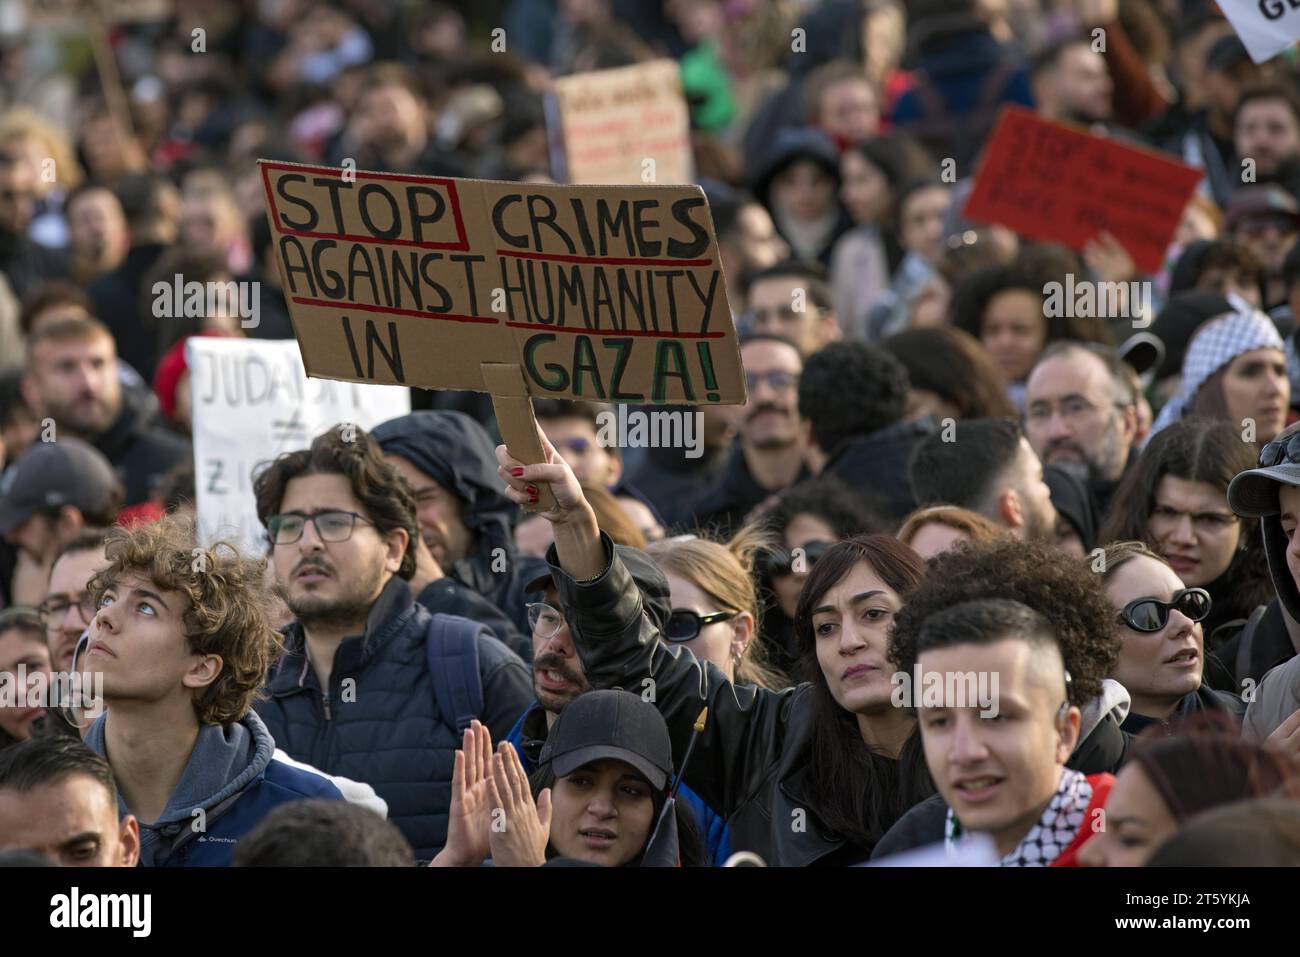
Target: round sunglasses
<point x="1152" y="614"/>
<point x="684" y="624"/>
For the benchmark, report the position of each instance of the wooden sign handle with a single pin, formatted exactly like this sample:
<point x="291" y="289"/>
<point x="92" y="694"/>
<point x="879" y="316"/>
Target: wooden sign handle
<point x="514" y="410"/>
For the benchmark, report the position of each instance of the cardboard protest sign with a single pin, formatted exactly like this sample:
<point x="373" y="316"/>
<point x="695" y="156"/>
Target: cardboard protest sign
<point x="1058" y="183"/>
<point x="628" y="125"/>
<point x="581" y="292"/>
<point x="84" y="12"/>
<point x="251" y="401"/>
<point x="599" y="294"/>
<point x="1266" y="27"/>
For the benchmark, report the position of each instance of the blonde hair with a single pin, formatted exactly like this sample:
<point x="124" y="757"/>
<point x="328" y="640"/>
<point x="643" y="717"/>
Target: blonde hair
<point x="725" y="572"/>
<point x="24" y="124"/>
<point x="612" y="518"/>
<point x="972" y="524"/>
<point x="1117" y="553"/>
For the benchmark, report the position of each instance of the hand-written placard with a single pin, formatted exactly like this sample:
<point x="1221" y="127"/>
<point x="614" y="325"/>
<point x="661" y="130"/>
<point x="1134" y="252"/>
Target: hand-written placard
<point x="1266" y="27"/>
<point x="596" y="292"/>
<point x="251" y="401"/>
<point x="82" y="12"/>
<point x="1048" y="181"/>
<point x="622" y="125"/>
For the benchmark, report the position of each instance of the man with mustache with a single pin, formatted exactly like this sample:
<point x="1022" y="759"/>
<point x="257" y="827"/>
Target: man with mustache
<point x="770" y="453"/>
<point x="354" y="693"/>
<point x="72" y="378"/>
<point x="1081" y="415"/>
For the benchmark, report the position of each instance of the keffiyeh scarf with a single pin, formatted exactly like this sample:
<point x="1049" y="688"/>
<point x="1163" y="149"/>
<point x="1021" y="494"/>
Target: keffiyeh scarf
<point x="1053" y="832"/>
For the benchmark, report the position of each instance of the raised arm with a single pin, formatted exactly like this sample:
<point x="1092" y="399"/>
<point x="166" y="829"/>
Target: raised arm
<point x="620" y="648"/>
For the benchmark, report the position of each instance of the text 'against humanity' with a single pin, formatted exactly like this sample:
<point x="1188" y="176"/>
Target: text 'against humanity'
<point x="597" y="263"/>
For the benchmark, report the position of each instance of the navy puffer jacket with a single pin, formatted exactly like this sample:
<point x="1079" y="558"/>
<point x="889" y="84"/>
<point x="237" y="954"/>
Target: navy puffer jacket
<point x="380" y="722"/>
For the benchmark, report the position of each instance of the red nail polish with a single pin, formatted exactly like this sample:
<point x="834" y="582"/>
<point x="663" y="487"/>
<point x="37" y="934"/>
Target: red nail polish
<point x="533" y="500"/>
<point x="531" y="490"/>
<point x="517" y="473"/>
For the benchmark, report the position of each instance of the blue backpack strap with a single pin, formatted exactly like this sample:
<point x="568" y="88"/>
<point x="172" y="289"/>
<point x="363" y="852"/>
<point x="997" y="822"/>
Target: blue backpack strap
<point x="451" y="650"/>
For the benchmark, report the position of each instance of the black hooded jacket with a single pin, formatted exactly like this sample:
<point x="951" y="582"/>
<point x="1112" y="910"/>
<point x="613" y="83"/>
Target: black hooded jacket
<point x="454" y="451"/>
<point x="139" y="448"/>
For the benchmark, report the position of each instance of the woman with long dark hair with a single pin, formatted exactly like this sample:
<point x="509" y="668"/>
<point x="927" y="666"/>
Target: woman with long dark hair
<point x="811" y="774"/>
<point x="1175" y="499"/>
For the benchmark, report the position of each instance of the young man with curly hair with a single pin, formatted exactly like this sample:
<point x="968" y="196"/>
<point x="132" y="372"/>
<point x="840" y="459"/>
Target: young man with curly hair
<point x="182" y="638"/>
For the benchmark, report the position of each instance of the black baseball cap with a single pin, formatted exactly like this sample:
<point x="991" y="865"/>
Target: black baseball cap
<point x="610" y="724"/>
<point x="50" y="475"/>
<point x="648" y="577"/>
<point x="1253" y="493"/>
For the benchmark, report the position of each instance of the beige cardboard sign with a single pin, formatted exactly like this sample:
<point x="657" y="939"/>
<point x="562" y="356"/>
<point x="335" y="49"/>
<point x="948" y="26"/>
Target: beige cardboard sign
<point x="83" y="12"/>
<point x="627" y="125"/>
<point x="597" y="293"/>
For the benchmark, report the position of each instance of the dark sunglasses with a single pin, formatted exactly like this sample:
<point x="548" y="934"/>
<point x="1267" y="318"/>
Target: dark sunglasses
<point x="683" y="624"/>
<point x="1152" y="614"/>
<point x="782" y="561"/>
<point x="1275" y="452"/>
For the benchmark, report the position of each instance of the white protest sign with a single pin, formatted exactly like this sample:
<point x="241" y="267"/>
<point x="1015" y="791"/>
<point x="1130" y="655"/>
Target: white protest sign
<point x="1266" y="27"/>
<point x="252" y="401"/>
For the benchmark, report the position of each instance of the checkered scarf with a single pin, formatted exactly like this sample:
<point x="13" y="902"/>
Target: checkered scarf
<point x="1218" y="343"/>
<point x="1054" y="831"/>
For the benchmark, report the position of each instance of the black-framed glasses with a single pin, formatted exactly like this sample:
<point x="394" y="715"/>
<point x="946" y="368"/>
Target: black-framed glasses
<point x="1152" y="614"/>
<point x="684" y="624"/>
<point x="544" y="620"/>
<point x="331" y="526"/>
<point x="1280" y="450"/>
<point x="779" y="379"/>
<point x="53" y="610"/>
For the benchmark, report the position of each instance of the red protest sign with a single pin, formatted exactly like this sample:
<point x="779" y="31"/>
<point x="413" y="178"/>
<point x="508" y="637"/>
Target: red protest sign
<point x="1061" y="184"/>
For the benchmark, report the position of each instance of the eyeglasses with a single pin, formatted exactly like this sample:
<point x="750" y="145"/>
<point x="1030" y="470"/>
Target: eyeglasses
<point x="778" y="379"/>
<point x="782" y="562"/>
<point x="544" y="620"/>
<point x="331" y="526"/>
<point x="1258" y="226"/>
<point x="1071" y="409"/>
<point x="1152" y="614"/>
<point x="53" y="610"/>
<point x="1280" y="450"/>
<point x="684" y="624"/>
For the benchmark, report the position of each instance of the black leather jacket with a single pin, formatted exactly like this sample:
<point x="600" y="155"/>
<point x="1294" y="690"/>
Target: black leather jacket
<point x="749" y="762"/>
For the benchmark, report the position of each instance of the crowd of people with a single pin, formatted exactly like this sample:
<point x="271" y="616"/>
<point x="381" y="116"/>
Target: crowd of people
<point x="966" y="579"/>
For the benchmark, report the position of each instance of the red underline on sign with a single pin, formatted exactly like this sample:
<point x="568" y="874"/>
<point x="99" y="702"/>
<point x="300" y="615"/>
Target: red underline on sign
<point x="453" y="200"/>
<point x="449" y="316"/>
<point x="651" y="333"/>
<point x="605" y="260"/>
<point x="375" y="241"/>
